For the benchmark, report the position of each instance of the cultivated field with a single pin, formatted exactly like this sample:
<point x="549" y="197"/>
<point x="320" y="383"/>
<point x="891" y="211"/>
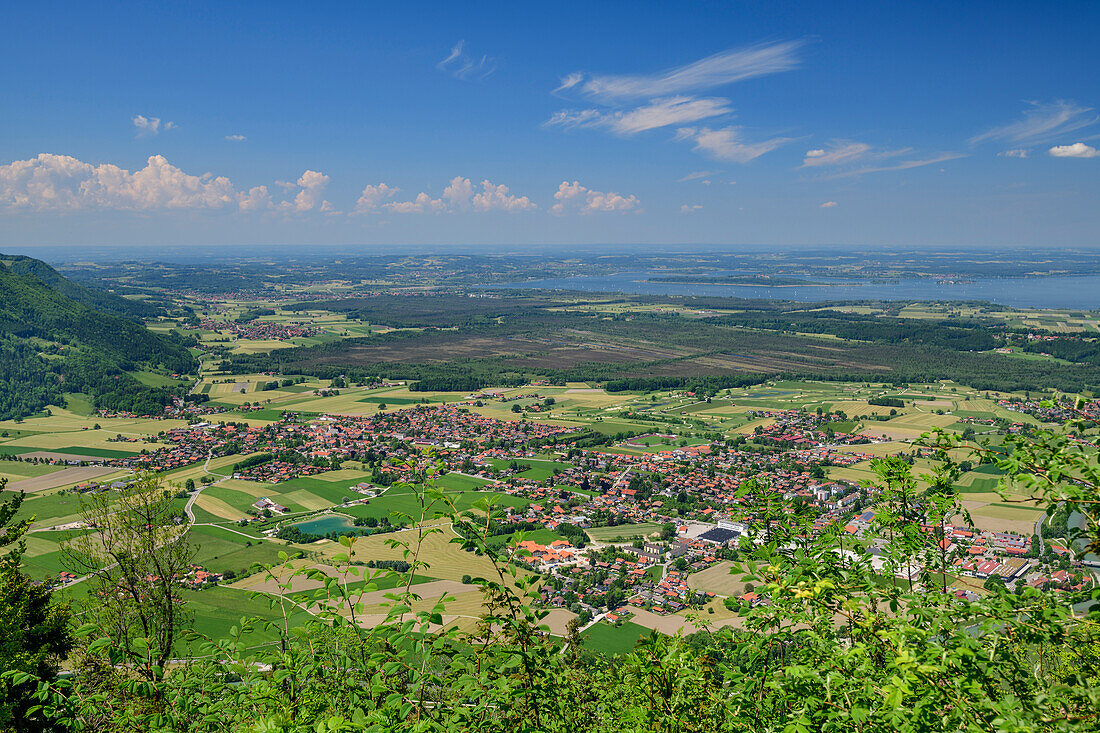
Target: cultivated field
<point x="624" y="532"/>
<point x="717" y="579"/>
<point x="62" y="477"/>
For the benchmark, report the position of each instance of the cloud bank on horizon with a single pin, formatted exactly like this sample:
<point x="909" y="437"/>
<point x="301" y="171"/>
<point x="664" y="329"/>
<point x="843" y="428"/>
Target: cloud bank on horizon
<point x="61" y="183"/>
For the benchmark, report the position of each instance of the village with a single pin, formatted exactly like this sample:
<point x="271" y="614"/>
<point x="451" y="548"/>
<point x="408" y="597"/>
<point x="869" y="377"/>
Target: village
<point x="687" y="500"/>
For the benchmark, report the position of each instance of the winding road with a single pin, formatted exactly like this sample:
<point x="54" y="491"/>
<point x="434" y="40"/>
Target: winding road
<point x="187" y="508"/>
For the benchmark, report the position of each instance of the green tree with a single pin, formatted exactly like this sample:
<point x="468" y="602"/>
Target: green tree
<point x="34" y="633"/>
<point x="34" y="638"/>
<point x="137" y="555"/>
<point x="12" y="530"/>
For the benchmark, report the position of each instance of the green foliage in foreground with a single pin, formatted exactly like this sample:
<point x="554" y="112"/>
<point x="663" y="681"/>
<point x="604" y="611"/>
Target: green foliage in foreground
<point x="836" y="649"/>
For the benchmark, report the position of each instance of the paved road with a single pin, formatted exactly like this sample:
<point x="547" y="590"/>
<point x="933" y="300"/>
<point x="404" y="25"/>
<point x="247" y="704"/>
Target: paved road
<point x="187" y="508"/>
<point x="1039" y="533"/>
<point x="482" y="478"/>
<point x="624" y="476"/>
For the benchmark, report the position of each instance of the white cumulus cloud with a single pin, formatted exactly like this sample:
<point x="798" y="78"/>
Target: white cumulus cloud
<point x="1077" y="150"/>
<point x="422" y="203"/>
<point x="497" y="197"/>
<point x="374" y="196"/>
<point x="258" y="198"/>
<point x="311" y="192"/>
<point x="147" y="126"/>
<point x="690" y="209"/>
<point x="235" y="138"/>
<point x="575" y="198"/>
<point x="458" y="192"/>
<point x="459" y="195"/>
<point x="828" y="204"/>
<point x="62" y="183"/>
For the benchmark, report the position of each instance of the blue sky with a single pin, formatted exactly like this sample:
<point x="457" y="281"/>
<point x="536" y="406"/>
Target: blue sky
<point x="718" y="123"/>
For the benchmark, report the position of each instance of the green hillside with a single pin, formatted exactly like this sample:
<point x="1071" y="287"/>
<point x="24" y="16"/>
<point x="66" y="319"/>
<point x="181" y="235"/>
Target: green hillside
<point x="95" y="299"/>
<point x="51" y="342"/>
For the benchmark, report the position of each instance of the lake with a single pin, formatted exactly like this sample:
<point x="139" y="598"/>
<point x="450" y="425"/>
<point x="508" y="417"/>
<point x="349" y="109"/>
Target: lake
<point x="1077" y="292"/>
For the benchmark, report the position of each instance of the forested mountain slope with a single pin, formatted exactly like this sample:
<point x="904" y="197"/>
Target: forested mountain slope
<point x="97" y="299"/>
<point x="54" y="338"/>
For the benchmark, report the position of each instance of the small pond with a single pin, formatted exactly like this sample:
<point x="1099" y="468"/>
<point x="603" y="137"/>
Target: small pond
<point x="324" y="524"/>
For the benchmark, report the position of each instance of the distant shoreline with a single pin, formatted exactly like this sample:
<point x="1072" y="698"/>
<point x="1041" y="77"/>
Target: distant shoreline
<point x="756" y="280"/>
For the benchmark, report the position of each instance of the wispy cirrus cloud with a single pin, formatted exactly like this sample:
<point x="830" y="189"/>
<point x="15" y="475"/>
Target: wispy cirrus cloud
<point x="849" y="158"/>
<point x="570" y="81"/>
<point x="722" y="68"/>
<point x="899" y="166"/>
<point x="696" y="175"/>
<point x="462" y="65"/>
<point x="1041" y="122"/>
<point x="838" y="153"/>
<point x="728" y="143"/>
<point x="629" y="104"/>
<point x="658" y="113"/>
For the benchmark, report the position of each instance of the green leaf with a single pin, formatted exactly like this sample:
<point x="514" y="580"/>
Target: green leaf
<point x="99" y="643"/>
